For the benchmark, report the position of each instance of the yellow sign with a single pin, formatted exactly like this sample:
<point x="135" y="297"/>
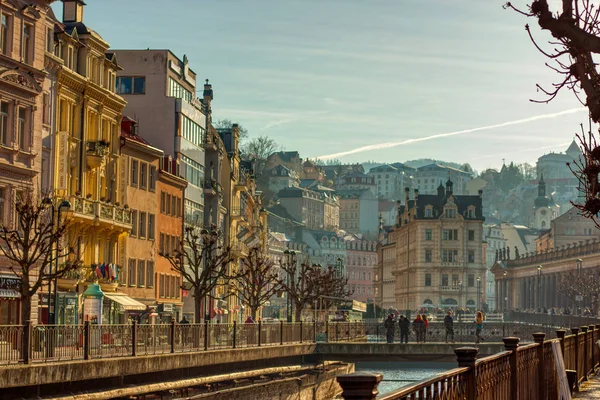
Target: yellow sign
<point x="359" y="306"/>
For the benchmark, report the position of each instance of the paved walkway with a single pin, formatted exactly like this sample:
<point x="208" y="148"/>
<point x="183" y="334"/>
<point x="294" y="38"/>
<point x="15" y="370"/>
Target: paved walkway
<point x="589" y="389"/>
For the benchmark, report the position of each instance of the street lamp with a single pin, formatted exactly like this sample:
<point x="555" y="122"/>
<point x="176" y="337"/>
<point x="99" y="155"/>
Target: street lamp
<point x="52" y="310"/>
<point x="505" y="291"/>
<point x="291" y="259"/>
<point x="340" y="267"/>
<point x="579" y="262"/>
<point x="478" y="293"/>
<point x="539" y="269"/>
<point x="460" y="287"/>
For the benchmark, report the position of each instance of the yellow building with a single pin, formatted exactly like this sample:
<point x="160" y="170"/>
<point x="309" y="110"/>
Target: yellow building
<point x="88" y="169"/>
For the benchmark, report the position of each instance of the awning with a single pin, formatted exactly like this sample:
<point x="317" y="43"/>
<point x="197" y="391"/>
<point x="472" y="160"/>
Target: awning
<point x="127" y="303"/>
<point x="9" y="294"/>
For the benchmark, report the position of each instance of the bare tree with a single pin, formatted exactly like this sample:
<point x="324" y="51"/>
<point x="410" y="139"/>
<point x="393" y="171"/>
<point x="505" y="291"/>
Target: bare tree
<point x="202" y="261"/>
<point x="332" y="287"/>
<point x="584" y="283"/>
<point x="33" y="243"/>
<point x="257" y="280"/>
<point x="259" y="149"/>
<point x="226" y="123"/>
<point x="575" y="32"/>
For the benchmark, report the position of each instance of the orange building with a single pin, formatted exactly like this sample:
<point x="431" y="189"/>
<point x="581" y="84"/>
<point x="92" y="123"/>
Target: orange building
<point x="170" y="189"/>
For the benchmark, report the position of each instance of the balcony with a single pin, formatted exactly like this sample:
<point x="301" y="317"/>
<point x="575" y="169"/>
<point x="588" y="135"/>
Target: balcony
<point x="451" y="288"/>
<point x="95" y="151"/>
<point x="70" y="280"/>
<point x="211" y="187"/>
<point x="237" y="212"/>
<point x="103" y="213"/>
<point x="242" y="182"/>
<point x="240" y="249"/>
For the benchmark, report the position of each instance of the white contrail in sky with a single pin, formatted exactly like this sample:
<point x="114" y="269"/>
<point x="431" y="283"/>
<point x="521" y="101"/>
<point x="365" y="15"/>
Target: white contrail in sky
<point x="442" y="135"/>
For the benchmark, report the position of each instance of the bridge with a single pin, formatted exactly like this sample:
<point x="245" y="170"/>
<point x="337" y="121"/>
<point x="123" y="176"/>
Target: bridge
<point x="67" y="358"/>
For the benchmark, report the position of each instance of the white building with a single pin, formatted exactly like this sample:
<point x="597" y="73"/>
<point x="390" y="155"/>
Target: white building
<point x="429" y="177"/>
<point x="390" y="182"/>
<point x="492" y="235"/>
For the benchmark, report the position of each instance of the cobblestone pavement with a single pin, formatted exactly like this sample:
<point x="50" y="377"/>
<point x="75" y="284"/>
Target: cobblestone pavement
<point x="589" y="389"/>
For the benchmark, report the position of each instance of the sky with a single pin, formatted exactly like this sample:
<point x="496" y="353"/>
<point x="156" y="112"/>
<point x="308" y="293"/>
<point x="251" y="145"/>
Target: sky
<point x="327" y="77"/>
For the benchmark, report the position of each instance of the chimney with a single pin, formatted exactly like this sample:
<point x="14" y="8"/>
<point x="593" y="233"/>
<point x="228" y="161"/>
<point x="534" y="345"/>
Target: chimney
<point x="73" y="11"/>
<point x="207" y="95"/>
<point x="406" y="195"/>
<point x="480" y="193"/>
<point x="416" y="196"/>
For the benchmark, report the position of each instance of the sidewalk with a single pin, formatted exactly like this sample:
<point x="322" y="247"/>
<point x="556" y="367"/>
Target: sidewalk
<point x="589" y="389"/>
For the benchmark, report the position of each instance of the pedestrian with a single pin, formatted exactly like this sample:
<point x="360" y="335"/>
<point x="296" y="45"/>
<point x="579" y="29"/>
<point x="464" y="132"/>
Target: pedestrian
<point x="478" y="326"/>
<point x="404" y="324"/>
<point x="249" y="320"/>
<point x="184" y="321"/>
<point x="425" y="327"/>
<point x="389" y="328"/>
<point x="449" y="325"/>
<point x="419" y="328"/>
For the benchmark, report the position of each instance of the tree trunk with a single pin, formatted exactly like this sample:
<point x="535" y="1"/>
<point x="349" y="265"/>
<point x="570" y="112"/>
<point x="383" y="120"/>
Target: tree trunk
<point x="25" y="309"/>
<point x="298" y="314"/>
<point x="197" y="308"/>
<point x="253" y="312"/>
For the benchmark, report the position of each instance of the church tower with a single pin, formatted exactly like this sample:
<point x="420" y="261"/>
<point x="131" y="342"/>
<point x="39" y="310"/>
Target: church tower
<point x="545" y="210"/>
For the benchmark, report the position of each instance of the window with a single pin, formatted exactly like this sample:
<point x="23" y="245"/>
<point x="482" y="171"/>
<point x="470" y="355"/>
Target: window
<point x="455" y="279"/>
<point x="151" y="224"/>
<point x="471" y="234"/>
<point x="131" y="271"/>
<point x="470" y="280"/>
<point x="27" y="40"/>
<point x="131" y="85"/>
<point x="2" y="205"/>
<point x="471" y="212"/>
<point x="173" y="205"/>
<point x="191" y="131"/>
<point x="450" y="234"/>
<point x="444" y="279"/>
<point x="149" y="273"/>
<point x="163" y="197"/>
<point x="22" y="128"/>
<point x="152" y="179"/>
<point x="46" y="108"/>
<point x="161" y="245"/>
<point x="50" y="40"/>
<point x="161" y="286"/>
<point x="471" y="256"/>
<point x="168" y="205"/>
<point x="428" y="235"/>
<point x="449" y="255"/>
<point x="134" y="218"/>
<point x="176" y="90"/>
<point x="141" y="273"/>
<point x="142" y="225"/>
<point x="4" y="42"/>
<point x="428" y="212"/>
<point x="143" y="175"/>
<point x="4" y="123"/>
<point x="450" y="213"/>
<point x="134" y="172"/>
<point x="428" y="255"/>
<point x="427" y="279"/>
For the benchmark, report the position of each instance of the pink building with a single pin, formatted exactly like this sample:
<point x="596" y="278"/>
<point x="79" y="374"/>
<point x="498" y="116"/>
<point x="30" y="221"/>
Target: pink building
<point x="361" y="259"/>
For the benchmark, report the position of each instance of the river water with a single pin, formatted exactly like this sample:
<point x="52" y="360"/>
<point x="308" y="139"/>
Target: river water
<point x="398" y="374"/>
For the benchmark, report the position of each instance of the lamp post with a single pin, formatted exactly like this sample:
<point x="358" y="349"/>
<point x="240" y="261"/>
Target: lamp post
<point x="53" y="298"/>
<point x="340" y="267"/>
<point x="460" y="287"/>
<point x="505" y="291"/>
<point x="539" y="269"/>
<point x="478" y="292"/>
<point x="291" y="259"/>
<point x="579" y="263"/>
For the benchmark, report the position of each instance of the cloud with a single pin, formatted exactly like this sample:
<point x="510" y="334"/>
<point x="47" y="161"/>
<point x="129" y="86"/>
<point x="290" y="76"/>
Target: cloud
<point x="387" y="145"/>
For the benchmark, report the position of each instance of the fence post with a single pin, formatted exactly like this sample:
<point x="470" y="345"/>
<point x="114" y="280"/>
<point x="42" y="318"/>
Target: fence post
<point x="466" y="357"/>
<point x="575" y="331"/>
<point x="134" y="338"/>
<point x="327" y="331"/>
<point x="592" y="330"/>
<point x="359" y="385"/>
<point x="596" y="350"/>
<point x="336" y="330"/>
<point x="206" y="335"/>
<point x="281" y="332"/>
<point x="300" y="331"/>
<point x="234" y="332"/>
<point x="377" y="333"/>
<point x="259" y="331"/>
<point x="539" y="339"/>
<point x="86" y="340"/>
<point x="315" y="332"/>
<point x="560" y="334"/>
<point x="511" y="344"/>
<point x="584" y="329"/>
<point x="173" y="336"/>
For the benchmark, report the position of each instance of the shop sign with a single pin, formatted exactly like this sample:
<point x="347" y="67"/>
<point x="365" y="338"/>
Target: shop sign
<point x="167" y="307"/>
<point x="92" y="308"/>
<point x="9" y="282"/>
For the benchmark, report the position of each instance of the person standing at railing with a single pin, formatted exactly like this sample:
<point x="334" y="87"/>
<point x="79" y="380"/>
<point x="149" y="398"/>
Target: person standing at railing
<point x="404" y="324"/>
<point x="425" y="328"/>
<point x="419" y="328"/>
<point x="449" y="325"/>
<point x="389" y="328"/>
<point x="478" y="326"/>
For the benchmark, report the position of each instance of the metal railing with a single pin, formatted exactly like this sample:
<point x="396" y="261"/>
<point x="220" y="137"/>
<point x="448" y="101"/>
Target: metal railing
<point x="526" y="372"/>
<point x="557" y="320"/>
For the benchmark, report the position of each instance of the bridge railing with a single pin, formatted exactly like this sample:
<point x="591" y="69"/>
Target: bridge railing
<point x="557" y="320"/>
<point x="528" y="372"/>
